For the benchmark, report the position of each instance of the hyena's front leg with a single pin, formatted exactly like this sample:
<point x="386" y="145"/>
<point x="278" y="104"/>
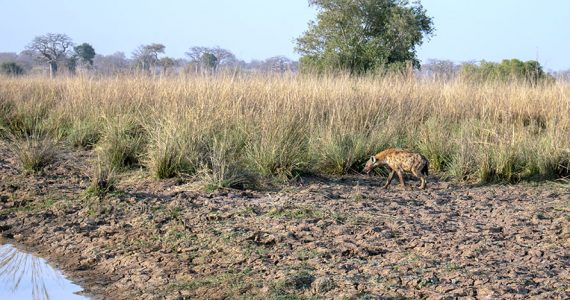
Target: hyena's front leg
<point x="422" y="178"/>
<point x="423" y="182"/>
<point x="390" y="177"/>
<point x="401" y="176"/>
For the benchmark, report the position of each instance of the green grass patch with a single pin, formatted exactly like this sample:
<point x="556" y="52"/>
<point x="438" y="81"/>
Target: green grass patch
<point x="30" y="206"/>
<point x="84" y="134"/>
<point x="300" y="213"/>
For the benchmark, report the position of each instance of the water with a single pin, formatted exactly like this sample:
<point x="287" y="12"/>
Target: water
<point x="25" y="276"/>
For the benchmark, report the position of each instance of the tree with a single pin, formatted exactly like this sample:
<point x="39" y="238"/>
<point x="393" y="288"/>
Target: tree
<point x="209" y="62"/>
<point x="166" y="63"/>
<point x="11" y="68"/>
<point x="224" y="57"/>
<point x="277" y="64"/>
<point x="195" y="56"/>
<point x="195" y="53"/>
<point x="146" y="56"/>
<point x="26" y="59"/>
<point x="71" y="63"/>
<point x="209" y="59"/>
<point x="51" y="49"/>
<point x="360" y="36"/>
<point x="440" y="69"/>
<point x="8" y="57"/>
<point x="85" y="53"/>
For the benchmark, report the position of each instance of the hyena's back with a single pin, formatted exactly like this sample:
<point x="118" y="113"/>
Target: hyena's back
<point x="402" y="160"/>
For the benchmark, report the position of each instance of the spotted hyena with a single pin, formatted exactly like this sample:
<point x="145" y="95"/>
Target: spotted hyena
<point x="400" y="161"/>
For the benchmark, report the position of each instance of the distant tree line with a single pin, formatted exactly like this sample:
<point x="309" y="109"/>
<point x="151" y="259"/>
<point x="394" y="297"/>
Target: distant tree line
<point x="507" y="70"/>
<point x="359" y="37"/>
<point x="356" y="37"/>
<point x="57" y="54"/>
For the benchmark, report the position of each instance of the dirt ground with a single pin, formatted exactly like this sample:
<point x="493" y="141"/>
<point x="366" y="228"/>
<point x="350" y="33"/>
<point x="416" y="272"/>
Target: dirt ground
<point x="317" y="238"/>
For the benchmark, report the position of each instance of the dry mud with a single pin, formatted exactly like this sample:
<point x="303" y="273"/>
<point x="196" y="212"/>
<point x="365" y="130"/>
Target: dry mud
<point x="318" y="238"/>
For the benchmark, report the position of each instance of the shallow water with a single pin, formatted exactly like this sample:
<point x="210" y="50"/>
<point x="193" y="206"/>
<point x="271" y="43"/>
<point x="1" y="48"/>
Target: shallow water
<point x="25" y="276"/>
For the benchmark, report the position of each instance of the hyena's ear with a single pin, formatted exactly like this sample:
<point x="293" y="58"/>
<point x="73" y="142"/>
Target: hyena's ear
<point x="373" y="159"/>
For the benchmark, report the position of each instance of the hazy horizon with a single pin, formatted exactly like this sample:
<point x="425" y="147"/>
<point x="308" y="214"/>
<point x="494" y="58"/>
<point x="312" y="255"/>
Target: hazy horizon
<point x="256" y="29"/>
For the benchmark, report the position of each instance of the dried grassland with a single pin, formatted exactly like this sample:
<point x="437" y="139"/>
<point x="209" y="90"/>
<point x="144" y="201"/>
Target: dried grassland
<point x="234" y="131"/>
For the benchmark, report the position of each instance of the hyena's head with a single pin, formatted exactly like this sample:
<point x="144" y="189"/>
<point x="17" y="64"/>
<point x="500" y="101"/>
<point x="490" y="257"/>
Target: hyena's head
<point x="371" y="164"/>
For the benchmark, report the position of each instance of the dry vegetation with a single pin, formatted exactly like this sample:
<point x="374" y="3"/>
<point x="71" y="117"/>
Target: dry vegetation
<point x="80" y="160"/>
<point x="236" y="131"/>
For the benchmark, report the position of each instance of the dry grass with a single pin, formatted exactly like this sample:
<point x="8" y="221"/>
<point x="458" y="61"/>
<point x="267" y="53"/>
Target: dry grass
<point x="228" y="128"/>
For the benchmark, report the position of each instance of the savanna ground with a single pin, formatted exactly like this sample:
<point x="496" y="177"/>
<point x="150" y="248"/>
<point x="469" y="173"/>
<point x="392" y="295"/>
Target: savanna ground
<point x="240" y="187"/>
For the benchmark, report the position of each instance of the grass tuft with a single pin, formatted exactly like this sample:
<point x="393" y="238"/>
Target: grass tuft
<point x="84" y="134"/>
<point x="122" y="143"/>
<point x="223" y="166"/>
<point x="278" y="149"/>
<point x="34" y="153"/>
<point x="103" y="180"/>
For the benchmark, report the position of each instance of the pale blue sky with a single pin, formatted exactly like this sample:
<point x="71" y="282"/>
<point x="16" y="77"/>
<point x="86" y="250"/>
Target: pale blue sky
<point x="258" y="29"/>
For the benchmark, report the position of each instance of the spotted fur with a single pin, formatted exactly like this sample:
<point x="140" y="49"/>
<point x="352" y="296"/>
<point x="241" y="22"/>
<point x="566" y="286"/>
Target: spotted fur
<point x="400" y="161"/>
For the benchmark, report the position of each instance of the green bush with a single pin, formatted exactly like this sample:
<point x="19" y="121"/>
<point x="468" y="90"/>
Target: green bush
<point x="11" y="69"/>
<point x="508" y="70"/>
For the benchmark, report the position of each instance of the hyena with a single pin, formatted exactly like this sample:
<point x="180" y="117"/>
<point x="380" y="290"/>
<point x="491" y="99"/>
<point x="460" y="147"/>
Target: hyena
<point x="400" y="161"/>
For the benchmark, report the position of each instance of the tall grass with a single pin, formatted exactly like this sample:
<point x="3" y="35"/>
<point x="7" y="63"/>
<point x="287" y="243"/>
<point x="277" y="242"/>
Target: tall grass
<point x="228" y="128"/>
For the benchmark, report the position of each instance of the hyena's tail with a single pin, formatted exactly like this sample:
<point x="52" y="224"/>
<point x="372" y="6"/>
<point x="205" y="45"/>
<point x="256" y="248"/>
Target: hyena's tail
<point x="425" y="168"/>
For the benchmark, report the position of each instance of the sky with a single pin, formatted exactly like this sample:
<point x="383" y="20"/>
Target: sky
<point x="466" y="30"/>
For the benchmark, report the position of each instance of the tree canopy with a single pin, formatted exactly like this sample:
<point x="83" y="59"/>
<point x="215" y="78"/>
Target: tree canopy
<point x="85" y="52"/>
<point x="209" y="59"/>
<point x="360" y="36"/>
<point x="51" y="48"/>
<point x="146" y="56"/>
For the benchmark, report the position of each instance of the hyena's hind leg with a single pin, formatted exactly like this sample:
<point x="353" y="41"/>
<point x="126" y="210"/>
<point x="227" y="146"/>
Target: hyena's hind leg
<point x="401" y="176"/>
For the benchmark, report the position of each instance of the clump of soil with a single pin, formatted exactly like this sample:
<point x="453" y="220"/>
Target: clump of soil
<point x="320" y="237"/>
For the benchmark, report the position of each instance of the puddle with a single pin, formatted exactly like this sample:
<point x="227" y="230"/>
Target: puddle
<point x="25" y="276"/>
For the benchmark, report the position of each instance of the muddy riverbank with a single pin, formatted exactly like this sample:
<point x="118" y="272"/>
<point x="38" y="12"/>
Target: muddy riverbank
<point x="319" y="237"/>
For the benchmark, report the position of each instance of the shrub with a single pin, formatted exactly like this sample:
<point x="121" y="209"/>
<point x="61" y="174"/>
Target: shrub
<point x="11" y="69"/>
